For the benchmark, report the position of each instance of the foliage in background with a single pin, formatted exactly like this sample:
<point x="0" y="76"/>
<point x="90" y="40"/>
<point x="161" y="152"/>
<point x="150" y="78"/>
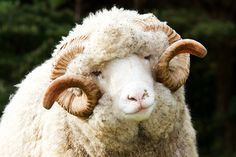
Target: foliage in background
<point x="29" y="30"/>
<point x="28" y="34"/>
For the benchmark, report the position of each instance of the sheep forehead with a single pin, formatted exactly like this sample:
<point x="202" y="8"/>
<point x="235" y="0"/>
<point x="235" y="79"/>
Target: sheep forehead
<point x="122" y="68"/>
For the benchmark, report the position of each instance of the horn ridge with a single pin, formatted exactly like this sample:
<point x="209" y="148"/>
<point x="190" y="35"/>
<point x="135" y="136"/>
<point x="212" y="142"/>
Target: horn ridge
<point x="174" y="74"/>
<point x="59" y="89"/>
<point x="57" y="92"/>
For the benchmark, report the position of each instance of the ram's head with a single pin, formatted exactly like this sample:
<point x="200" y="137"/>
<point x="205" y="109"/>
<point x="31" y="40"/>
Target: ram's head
<point x="124" y="60"/>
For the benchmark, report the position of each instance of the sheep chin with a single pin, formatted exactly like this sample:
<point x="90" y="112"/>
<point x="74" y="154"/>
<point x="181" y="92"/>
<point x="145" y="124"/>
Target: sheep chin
<point x="141" y="115"/>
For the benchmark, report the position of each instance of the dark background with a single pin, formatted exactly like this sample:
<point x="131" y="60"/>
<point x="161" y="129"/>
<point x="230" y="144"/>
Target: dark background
<point x="30" y="29"/>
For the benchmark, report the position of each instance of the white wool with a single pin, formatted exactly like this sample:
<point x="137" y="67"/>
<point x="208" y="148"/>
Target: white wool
<point x="113" y="34"/>
<point x="27" y="129"/>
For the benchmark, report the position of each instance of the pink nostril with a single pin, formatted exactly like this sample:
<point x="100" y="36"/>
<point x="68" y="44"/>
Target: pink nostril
<point x="138" y="97"/>
<point x="132" y="98"/>
<point x="143" y="96"/>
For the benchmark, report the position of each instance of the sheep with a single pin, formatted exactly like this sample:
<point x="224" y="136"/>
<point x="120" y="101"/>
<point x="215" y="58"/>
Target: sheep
<point x="113" y="87"/>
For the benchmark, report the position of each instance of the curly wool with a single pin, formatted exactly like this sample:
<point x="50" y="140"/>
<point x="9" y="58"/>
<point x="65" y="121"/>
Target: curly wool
<point x="27" y="129"/>
<point x="112" y="34"/>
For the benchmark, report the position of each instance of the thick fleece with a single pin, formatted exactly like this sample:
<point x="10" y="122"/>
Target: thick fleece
<point x="27" y="129"/>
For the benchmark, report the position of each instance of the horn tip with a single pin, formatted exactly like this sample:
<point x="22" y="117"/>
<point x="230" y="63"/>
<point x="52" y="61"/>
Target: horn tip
<point x="204" y="52"/>
<point x="47" y="104"/>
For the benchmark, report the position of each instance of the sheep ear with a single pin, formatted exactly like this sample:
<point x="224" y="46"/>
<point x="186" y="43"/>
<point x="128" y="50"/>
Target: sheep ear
<point x="175" y="75"/>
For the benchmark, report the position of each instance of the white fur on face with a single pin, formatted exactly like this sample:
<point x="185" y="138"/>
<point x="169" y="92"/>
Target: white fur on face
<point x="129" y="82"/>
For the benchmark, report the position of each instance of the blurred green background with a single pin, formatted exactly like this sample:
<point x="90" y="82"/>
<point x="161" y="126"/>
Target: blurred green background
<point x="30" y="29"/>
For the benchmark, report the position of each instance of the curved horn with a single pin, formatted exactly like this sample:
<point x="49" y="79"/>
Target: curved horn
<point x="174" y="76"/>
<point x="160" y="26"/>
<point x="81" y="104"/>
<point x="88" y="99"/>
<point x="67" y="53"/>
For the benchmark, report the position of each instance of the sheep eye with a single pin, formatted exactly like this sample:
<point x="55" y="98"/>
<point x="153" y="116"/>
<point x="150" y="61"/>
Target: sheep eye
<point x="148" y="57"/>
<point x="96" y="73"/>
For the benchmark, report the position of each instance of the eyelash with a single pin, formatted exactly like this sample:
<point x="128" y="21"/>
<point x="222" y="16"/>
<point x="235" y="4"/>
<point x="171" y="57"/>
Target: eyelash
<point x="148" y="57"/>
<point x="96" y="73"/>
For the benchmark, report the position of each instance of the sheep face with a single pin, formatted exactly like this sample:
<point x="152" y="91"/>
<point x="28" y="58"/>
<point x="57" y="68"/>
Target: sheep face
<point x="118" y="50"/>
<point x="130" y="84"/>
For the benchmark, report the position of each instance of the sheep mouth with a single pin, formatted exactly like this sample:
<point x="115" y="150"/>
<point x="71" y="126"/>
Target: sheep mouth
<point x="141" y="114"/>
<point x="140" y="110"/>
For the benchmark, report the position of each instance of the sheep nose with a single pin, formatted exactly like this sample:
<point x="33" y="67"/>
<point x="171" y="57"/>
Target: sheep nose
<point x="134" y="98"/>
<point x="138" y="97"/>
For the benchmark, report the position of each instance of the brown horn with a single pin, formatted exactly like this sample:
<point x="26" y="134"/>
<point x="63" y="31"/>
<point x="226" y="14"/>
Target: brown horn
<point x="160" y="26"/>
<point x="174" y="77"/>
<point x="67" y="53"/>
<point x="174" y="74"/>
<point x="88" y="99"/>
<point x="81" y="104"/>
